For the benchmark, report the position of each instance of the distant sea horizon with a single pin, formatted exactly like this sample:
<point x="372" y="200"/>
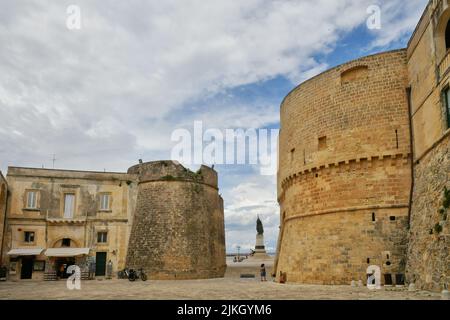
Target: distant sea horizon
<point x="247" y="253"/>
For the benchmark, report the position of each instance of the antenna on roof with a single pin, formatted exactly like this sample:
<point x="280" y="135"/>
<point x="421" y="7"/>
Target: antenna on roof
<point x="54" y="159"/>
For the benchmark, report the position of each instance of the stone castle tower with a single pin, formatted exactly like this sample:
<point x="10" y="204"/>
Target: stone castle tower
<point x="364" y="163"/>
<point x="178" y="227"/>
<point x="344" y="175"/>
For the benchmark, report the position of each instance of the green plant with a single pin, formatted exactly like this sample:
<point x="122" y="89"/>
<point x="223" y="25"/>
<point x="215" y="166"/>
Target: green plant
<point x="437" y="228"/>
<point x="446" y="202"/>
<point x="168" y="178"/>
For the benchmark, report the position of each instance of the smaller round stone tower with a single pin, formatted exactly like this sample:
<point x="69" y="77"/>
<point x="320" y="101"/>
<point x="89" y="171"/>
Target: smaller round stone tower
<point x="178" y="229"/>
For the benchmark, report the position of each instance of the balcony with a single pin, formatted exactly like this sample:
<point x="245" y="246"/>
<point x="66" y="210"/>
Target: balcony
<point x="444" y="65"/>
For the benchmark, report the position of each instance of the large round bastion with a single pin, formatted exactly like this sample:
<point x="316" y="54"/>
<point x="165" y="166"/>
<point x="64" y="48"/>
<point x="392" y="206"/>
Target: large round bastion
<point x="344" y="175"/>
<point x="178" y="227"/>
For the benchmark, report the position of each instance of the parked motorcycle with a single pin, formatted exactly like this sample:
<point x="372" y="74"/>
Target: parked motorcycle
<point x="132" y="274"/>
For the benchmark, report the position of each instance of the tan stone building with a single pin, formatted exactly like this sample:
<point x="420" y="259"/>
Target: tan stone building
<point x="58" y="218"/>
<point x="429" y="89"/>
<point x="364" y="160"/>
<point x="3" y="197"/>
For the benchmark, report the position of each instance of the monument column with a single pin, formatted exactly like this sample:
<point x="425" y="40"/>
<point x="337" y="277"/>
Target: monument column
<point x="260" y="248"/>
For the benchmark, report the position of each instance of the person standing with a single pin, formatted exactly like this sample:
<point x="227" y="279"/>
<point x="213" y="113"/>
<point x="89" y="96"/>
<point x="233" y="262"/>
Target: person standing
<point x="263" y="272"/>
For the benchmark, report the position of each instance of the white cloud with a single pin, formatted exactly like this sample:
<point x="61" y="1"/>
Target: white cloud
<point x="253" y="196"/>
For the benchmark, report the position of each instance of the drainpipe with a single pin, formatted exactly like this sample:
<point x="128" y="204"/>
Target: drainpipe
<point x="411" y="138"/>
<point x="4" y="227"/>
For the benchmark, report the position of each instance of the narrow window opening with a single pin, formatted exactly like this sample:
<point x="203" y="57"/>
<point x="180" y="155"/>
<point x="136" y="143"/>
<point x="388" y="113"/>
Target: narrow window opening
<point x="32" y="200"/>
<point x="388" y="279"/>
<point x="322" y="143"/>
<point x="292" y="154"/>
<point x="368" y="260"/>
<point x="29" y="236"/>
<point x="65" y="242"/>
<point x="102" y="237"/>
<point x="105" y="200"/>
<point x="392" y="218"/>
<point x="447" y="36"/>
<point x="396" y="137"/>
<point x="69" y="205"/>
<point x="446" y="100"/>
<point x="373" y="216"/>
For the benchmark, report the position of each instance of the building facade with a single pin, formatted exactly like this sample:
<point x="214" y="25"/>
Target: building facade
<point x="59" y="218"/>
<point x="429" y="79"/>
<point x="3" y="197"/>
<point x="364" y="163"/>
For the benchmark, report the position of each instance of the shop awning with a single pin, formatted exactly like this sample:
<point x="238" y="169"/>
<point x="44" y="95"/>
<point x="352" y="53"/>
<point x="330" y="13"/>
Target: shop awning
<point x="25" y="252"/>
<point x="66" y="252"/>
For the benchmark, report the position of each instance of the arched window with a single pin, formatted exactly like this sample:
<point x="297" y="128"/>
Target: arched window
<point x="447" y="36"/>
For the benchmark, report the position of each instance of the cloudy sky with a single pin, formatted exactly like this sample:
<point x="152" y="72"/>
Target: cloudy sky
<point x="105" y="95"/>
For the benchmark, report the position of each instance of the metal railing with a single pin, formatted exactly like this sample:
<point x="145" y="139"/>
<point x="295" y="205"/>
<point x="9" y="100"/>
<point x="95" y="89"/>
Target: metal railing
<point x="444" y="66"/>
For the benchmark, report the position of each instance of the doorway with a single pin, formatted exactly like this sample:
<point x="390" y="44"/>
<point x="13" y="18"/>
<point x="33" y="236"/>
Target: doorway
<point x="26" y="271"/>
<point x="61" y="265"/>
<point x="100" y="264"/>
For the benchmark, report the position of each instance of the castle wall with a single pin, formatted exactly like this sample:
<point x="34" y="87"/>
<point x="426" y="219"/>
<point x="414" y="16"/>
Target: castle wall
<point x="345" y="174"/>
<point x="428" y="252"/>
<point x="178" y="231"/>
<point x="428" y="67"/>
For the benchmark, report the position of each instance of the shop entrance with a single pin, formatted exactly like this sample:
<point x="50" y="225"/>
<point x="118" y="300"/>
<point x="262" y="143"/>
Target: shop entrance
<point x="61" y="265"/>
<point x="26" y="271"/>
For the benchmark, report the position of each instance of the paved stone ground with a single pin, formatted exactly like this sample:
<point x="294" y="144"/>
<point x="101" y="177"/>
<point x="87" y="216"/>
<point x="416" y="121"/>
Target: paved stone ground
<point x="214" y="289"/>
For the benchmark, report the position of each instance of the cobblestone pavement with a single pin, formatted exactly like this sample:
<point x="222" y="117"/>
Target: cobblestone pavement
<point x="214" y="289"/>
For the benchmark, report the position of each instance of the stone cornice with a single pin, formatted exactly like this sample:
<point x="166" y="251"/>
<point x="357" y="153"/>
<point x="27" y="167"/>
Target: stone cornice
<point x="176" y="179"/>
<point x="289" y="180"/>
<point x="346" y="209"/>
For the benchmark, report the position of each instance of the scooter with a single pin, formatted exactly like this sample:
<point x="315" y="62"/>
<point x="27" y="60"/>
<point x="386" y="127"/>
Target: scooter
<point x="132" y="274"/>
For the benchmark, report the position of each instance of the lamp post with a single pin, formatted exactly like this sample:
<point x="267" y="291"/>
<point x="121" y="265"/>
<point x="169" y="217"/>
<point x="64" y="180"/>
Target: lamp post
<point x="238" y="248"/>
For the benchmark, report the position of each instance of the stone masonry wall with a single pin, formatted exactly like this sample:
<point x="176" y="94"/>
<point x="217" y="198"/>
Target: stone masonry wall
<point x="178" y="230"/>
<point x="429" y="251"/>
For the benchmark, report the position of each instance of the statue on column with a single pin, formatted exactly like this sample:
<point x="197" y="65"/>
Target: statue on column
<point x="259" y="226"/>
<point x="260" y="248"/>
